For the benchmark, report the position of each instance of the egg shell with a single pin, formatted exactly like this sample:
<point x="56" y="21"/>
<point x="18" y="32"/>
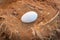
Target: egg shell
<point x="29" y="17"/>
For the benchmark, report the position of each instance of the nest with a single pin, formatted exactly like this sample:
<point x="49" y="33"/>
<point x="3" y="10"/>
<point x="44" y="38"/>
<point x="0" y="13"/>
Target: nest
<point x="44" y="28"/>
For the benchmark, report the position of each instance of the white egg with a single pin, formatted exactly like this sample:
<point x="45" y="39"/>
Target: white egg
<point x="29" y="17"/>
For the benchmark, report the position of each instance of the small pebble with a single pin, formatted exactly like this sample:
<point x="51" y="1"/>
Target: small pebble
<point x="29" y="17"/>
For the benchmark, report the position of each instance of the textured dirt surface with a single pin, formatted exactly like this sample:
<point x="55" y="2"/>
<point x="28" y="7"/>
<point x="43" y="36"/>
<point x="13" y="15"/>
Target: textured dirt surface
<point x="46" y="27"/>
